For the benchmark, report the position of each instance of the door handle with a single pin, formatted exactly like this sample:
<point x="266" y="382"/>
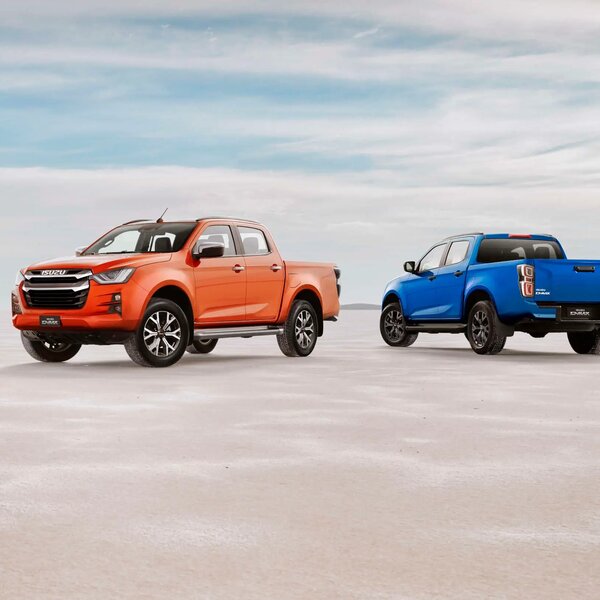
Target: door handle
<point x="238" y="268"/>
<point x="431" y="277"/>
<point x="458" y="273"/>
<point x="276" y="268"/>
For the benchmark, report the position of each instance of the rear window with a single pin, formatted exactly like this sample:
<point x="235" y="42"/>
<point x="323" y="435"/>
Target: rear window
<point x="505" y="249"/>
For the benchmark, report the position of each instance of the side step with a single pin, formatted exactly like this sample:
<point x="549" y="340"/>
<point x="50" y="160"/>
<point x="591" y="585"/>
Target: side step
<point x="233" y="332"/>
<point x="437" y="327"/>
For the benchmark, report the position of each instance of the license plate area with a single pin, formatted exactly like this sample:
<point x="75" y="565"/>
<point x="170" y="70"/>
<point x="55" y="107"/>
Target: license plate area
<point x="580" y="313"/>
<point x="50" y="321"/>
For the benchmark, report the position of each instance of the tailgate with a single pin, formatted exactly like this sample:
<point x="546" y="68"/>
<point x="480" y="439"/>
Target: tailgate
<point x="576" y="281"/>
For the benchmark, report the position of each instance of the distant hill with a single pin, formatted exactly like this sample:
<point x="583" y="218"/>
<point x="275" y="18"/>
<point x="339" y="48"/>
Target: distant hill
<point x="360" y="306"/>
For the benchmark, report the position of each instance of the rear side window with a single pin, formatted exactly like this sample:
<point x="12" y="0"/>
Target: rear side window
<point x="254" y="241"/>
<point x="502" y="250"/>
<point x="457" y="253"/>
<point x="432" y="259"/>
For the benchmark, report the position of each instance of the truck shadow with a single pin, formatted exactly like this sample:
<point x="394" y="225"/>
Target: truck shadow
<point x="186" y="363"/>
<point x="507" y="354"/>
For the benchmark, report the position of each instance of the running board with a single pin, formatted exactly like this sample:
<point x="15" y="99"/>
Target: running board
<point x="437" y="327"/>
<point x="233" y="332"/>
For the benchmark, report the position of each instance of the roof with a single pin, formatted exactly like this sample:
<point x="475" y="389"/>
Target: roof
<point x="451" y="237"/>
<point x="500" y="235"/>
<point x="227" y="219"/>
<point x="191" y="220"/>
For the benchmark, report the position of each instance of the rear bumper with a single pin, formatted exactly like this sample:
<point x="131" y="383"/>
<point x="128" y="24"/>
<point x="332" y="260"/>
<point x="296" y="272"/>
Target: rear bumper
<point x="561" y="318"/>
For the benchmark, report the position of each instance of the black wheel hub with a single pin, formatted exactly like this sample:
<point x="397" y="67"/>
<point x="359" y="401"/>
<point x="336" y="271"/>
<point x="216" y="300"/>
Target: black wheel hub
<point x="393" y="325"/>
<point x="480" y="328"/>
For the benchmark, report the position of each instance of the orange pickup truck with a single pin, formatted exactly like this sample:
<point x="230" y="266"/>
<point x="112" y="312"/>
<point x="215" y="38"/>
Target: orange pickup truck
<point x="160" y="288"/>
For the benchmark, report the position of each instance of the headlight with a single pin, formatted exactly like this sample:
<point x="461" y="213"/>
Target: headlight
<point x="19" y="278"/>
<point x="114" y="276"/>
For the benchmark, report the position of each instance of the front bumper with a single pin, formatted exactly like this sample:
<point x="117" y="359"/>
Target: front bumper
<point x="96" y="314"/>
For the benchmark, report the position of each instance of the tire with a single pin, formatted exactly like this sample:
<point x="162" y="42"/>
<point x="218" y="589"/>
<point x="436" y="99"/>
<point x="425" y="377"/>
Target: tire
<point x="300" y="330"/>
<point x="162" y="336"/>
<point x="392" y="327"/>
<point x="585" y="342"/>
<point x="483" y="329"/>
<point x="49" y="351"/>
<point x="202" y="346"/>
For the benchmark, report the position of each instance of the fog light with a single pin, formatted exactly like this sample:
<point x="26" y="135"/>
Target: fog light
<point x="114" y="306"/>
<point x="15" y="304"/>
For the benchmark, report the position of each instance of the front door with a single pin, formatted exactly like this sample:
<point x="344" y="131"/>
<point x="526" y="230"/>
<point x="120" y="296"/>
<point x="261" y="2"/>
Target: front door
<point x="265" y="276"/>
<point x="220" y="282"/>
<point x="422" y="289"/>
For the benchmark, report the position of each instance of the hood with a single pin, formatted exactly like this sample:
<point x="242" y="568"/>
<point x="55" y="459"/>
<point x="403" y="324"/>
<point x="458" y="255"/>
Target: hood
<point x="98" y="263"/>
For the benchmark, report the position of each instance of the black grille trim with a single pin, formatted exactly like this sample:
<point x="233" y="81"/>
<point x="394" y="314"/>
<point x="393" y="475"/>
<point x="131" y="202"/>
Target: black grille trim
<point x="67" y="291"/>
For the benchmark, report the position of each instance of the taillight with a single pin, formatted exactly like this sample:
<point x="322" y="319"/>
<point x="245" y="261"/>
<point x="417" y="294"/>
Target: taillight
<point x="338" y="273"/>
<point x="526" y="280"/>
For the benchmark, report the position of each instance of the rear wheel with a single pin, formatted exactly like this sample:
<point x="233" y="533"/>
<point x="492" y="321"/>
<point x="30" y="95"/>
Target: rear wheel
<point x="585" y="342"/>
<point x="49" y="351"/>
<point x="162" y="336"/>
<point x="300" y="331"/>
<point x="202" y="346"/>
<point x="392" y="327"/>
<point x="483" y="329"/>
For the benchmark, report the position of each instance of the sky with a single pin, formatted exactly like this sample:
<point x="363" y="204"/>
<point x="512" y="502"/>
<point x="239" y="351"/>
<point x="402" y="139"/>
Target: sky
<point x="359" y="132"/>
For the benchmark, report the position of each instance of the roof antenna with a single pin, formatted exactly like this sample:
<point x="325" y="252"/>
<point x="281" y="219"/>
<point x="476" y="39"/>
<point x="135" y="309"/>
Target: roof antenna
<point x="160" y="219"/>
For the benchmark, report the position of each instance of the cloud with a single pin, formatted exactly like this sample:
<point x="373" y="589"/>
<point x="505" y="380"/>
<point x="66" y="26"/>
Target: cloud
<point x="368" y="224"/>
<point x="359" y="132"/>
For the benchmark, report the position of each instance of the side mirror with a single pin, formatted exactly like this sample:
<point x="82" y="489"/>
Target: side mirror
<point x="410" y="266"/>
<point x="208" y="250"/>
<point x="79" y="251"/>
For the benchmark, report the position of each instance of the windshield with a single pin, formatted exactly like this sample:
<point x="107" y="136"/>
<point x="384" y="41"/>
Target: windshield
<point x="503" y="249"/>
<point x="143" y="237"/>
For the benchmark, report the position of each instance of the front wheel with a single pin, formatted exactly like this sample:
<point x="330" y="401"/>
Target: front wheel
<point x="585" y="342"/>
<point x="49" y="351"/>
<point x="392" y="327"/>
<point x="483" y="329"/>
<point x="202" y="346"/>
<point x="300" y="330"/>
<point x="162" y="336"/>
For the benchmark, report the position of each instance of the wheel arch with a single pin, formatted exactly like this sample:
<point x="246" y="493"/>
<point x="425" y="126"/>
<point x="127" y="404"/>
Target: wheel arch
<point x="311" y="295"/>
<point x="476" y="295"/>
<point x="177" y="294"/>
<point x="389" y="298"/>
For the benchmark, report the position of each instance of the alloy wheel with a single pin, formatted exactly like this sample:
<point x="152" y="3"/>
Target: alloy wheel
<point x="393" y="325"/>
<point x="480" y="328"/>
<point x="304" y="329"/>
<point x="162" y="333"/>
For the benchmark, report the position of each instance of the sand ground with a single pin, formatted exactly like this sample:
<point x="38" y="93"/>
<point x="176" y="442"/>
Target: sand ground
<point x="361" y="472"/>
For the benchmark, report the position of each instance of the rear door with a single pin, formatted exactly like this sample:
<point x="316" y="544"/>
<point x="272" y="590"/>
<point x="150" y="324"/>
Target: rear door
<point x="220" y="282"/>
<point x="421" y="290"/>
<point x="265" y="274"/>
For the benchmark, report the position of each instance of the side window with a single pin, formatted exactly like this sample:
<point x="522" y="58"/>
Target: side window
<point x="457" y="253"/>
<point x="162" y="243"/>
<point x="219" y="234"/>
<point x="432" y="259"/>
<point x="253" y="240"/>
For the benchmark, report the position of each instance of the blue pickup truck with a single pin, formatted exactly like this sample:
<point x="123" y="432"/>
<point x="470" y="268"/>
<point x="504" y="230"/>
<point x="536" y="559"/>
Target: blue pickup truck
<point x="489" y="286"/>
